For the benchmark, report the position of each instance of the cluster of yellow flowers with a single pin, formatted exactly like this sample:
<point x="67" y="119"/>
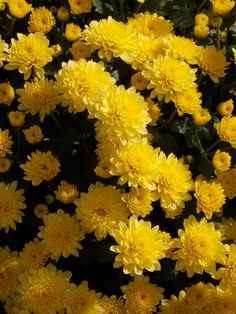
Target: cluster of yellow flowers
<point x="114" y="90"/>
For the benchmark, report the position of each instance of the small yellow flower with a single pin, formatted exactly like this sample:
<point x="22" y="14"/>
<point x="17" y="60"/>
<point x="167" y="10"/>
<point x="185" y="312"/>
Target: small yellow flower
<point x="72" y="32"/>
<point x="32" y="255"/>
<point x="5" y="143"/>
<point x="154" y="111"/>
<point x="201" y="31"/>
<point x="19" y="8"/>
<point x="57" y="50"/>
<point x="138" y="81"/>
<point x="63" y="14"/>
<point x="16" y="118"/>
<point x="226" y="129"/>
<point x="198" y="295"/>
<point x="201" y="116"/>
<point x="41" y="20"/>
<point x="225" y="108"/>
<point x="2" y="4"/>
<point x="221" y="161"/>
<point x="81" y="50"/>
<point x="78" y="7"/>
<point x="7" y="93"/>
<point x="201" y="18"/>
<point x="222" y="7"/>
<point x="40" y="210"/>
<point x="5" y="165"/>
<point x="33" y="135"/>
<point x="187" y="101"/>
<point x="227" y="179"/>
<point x="66" y="193"/>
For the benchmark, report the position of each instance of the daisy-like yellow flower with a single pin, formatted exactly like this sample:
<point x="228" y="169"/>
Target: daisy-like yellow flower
<point x="80" y="50"/>
<point x="66" y="193"/>
<point x="138" y="81"/>
<point x="41" y="20"/>
<point x="72" y="32"/>
<point x="187" y="101"/>
<point x="41" y="166"/>
<point x="16" y="118"/>
<point x="19" y="8"/>
<point x="112" y="305"/>
<point x="3" y="50"/>
<point x="199" y="247"/>
<point x="101" y="209"/>
<point x="212" y="62"/>
<point x="221" y="301"/>
<point x="222" y="7"/>
<point x="7" y="93"/>
<point x="201" y="18"/>
<point x="78" y="7"/>
<point x="226" y="129"/>
<point x="227" y="179"/>
<point x="5" y="143"/>
<point x="5" y="165"/>
<point x="176" y="305"/>
<point x="154" y="112"/>
<point x="201" y="116"/>
<point x="43" y="290"/>
<point x="137" y="252"/>
<point x="201" y="31"/>
<point x="225" y="108"/>
<point x="141" y="296"/>
<point x="63" y="229"/>
<point x="63" y="14"/>
<point x="29" y="52"/>
<point x="168" y="76"/>
<point x="228" y="228"/>
<point x="40" y="210"/>
<point x="38" y="96"/>
<point x="11" y="205"/>
<point x="210" y="197"/>
<point x="173" y="212"/>
<point x="79" y="82"/>
<point x="198" y="295"/>
<point x="33" y="135"/>
<point x="221" y="161"/>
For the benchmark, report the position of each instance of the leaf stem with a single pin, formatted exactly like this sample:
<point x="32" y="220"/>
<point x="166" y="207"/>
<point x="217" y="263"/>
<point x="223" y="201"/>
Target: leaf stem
<point x="171" y="117"/>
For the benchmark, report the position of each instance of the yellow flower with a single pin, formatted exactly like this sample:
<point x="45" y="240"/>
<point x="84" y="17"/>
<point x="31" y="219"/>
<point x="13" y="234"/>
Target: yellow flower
<point x="19" y="8"/>
<point x="33" y="135"/>
<point x="141" y="296"/>
<point x="57" y="50"/>
<point x="5" y="143"/>
<point x="137" y="252"/>
<point x="225" y="108"/>
<point x="168" y="76"/>
<point x="222" y="7"/>
<point x="7" y="93"/>
<point x="38" y="96"/>
<point x="65" y="231"/>
<point x="154" y="112"/>
<point x="16" y="118"/>
<point x="5" y="165"/>
<point x="201" y="31"/>
<point x="201" y="116"/>
<point x="173" y="212"/>
<point x="32" y="255"/>
<point x="80" y="81"/>
<point x="221" y="301"/>
<point x="176" y="305"/>
<point x="72" y="32"/>
<point x="201" y="18"/>
<point x="80" y="50"/>
<point x="41" y="20"/>
<point x="138" y="81"/>
<point x="221" y="161"/>
<point x="112" y="305"/>
<point x="187" y="101"/>
<point x="78" y="7"/>
<point x="227" y="179"/>
<point x="101" y="209"/>
<point x="234" y="52"/>
<point x="29" y="52"/>
<point x="212" y="62"/>
<point x="11" y="205"/>
<point x="2" y="4"/>
<point x="136" y="164"/>
<point x="41" y="166"/>
<point x="210" y="197"/>
<point x="174" y="181"/>
<point x="3" y="50"/>
<point x="199" y="247"/>
<point x="228" y="228"/>
<point x="43" y="290"/>
<point x="226" y="129"/>
<point x="40" y="210"/>
<point x="63" y="14"/>
<point x="66" y="193"/>
<point x="198" y="295"/>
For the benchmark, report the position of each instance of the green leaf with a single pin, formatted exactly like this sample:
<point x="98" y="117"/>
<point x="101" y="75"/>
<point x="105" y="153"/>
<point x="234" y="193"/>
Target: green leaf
<point x="103" y="8"/>
<point x="182" y="18"/>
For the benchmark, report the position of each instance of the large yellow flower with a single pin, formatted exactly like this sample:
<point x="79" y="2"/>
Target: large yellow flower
<point x="101" y="209"/>
<point x="226" y="130"/>
<point x="199" y="247"/>
<point x="168" y="76"/>
<point x="80" y="81"/>
<point x="78" y="7"/>
<point x="137" y="252"/>
<point x="29" y="52"/>
<point x="5" y="143"/>
<point x="19" y="8"/>
<point x="221" y="301"/>
<point x="32" y="255"/>
<point x="11" y="204"/>
<point x="38" y="96"/>
<point x="41" y="20"/>
<point x="222" y="7"/>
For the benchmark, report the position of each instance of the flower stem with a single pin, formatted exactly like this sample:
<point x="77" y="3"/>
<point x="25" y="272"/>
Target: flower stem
<point x="201" y="5"/>
<point x="139" y="6"/>
<point x="171" y="117"/>
<point x="57" y="123"/>
<point x="218" y="34"/>
<point x="13" y="20"/>
<point x="212" y="146"/>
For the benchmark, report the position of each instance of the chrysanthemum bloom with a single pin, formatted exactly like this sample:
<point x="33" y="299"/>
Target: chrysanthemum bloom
<point x="78" y="7"/>
<point x="63" y="14"/>
<point x="2" y="4"/>
<point x="43" y="290"/>
<point x="41" y="20"/>
<point x="82" y="300"/>
<point x="32" y="255"/>
<point x="19" y="8"/>
<point x="66" y="193"/>
<point x="112" y="305"/>
<point x="227" y="179"/>
<point x="210" y="197"/>
<point x="5" y="165"/>
<point x="112" y="38"/>
<point x="173" y="180"/>
<point x="198" y="295"/>
<point x="5" y="143"/>
<point x="80" y="50"/>
<point x="168" y="76"/>
<point x="33" y="135"/>
<point x="138" y="81"/>
<point x="201" y="31"/>
<point x="101" y="209"/>
<point x="199" y="247"/>
<point x="187" y="101"/>
<point x="38" y="96"/>
<point x="40" y="210"/>
<point x="3" y="50"/>
<point x="225" y="108"/>
<point x="201" y="116"/>
<point x="221" y="161"/>
<point x="141" y="296"/>
<point x="29" y="52"/>
<point x="226" y="129"/>
<point x="212" y="62"/>
<point x="72" y="32"/>
<point x="201" y="18"/>
<point x="7" y="93"/>
<point x="80" y="81"/>
<point x="222" y="7"/>
<point x="154" y="111"/>
<point x="137" y="252"/>
<point x="172" y="213"/>
<point x="228" y="229"/>
<point x="41" y="166"/>
<point x="176" y="305"/>
<point x="221" y="301"/>
<point x="16" y="118"/>
<point x="136" y="164"/>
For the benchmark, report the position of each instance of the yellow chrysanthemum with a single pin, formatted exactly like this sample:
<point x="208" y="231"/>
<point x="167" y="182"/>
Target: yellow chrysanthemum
<point x="221" y="161"/>
<point x="5" y="143"/>
<point x="222" y="7"/>
<point x="227" y="179"/>
<point x="41" y="166"/>
<point x="65" y="231"/>
<point x="5" y="165"/>
<point x="154" y="112"/>
<point x="201" y="31"/>
<point x="136" y="164"/>
<point x="112" y="38"/>
<point x="38" y="96"/>
<point x="187" y="101"/>
<point x="210" y="197"/>
<point x="221" y="301"/>
<point x="41" y="20"/>
<point x="43" y="290"/>
<point x="33" y="135"/>
<point x="11" y="204"/>
<point x="138" y="81"/>
<point x="226" y="129"/>
<point x="3" y="50"/>
<point x="29" y="52"/>
<point x="101" y="209"/>
<point x="72" y="32"/>
<point x="228" y="228"/>
<point x="32" y="255"/>
<point x="112" y="305"/>
<point x="16" y="118"/>
<point x="78" y="7"/>
<point x="201" y="116"/>
<point x="176" y="305"/>
<point x="168" y="76"/>
<point x="201" y="18"/>
<point x="212" y="62"/>
<point x="173" y="180"/>
<point x="225" y="108"/>
<point x="7" y="93"/>
<point x="172" y="213"/>
<point x="80" y="81"/>
<point x="80" y="50"/>
<point x="19" y="8"/>
<point x="137" y="252"/>
<point x="199" y="247"/>
<point x="63" y="14"/>
<point x="198" y="295"/>
<point x="82" y="300"/>
<point x="141" y="296"/>
<point x="66" y="193"/>
<point x="2" y="4"/>
<point x="40" y="210"/>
